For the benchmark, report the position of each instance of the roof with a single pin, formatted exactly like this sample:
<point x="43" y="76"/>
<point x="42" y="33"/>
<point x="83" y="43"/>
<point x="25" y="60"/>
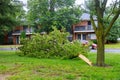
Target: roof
<point x="17" y="33"/>
<point x="86" y="16"/>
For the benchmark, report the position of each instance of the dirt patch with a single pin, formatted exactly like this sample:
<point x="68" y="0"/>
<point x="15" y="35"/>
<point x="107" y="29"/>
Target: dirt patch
<point x="4" y="76"/>
<point x="10" y="72"/>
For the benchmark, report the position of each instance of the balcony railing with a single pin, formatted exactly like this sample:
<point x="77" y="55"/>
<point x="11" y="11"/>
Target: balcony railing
<point x="83" y="28"/>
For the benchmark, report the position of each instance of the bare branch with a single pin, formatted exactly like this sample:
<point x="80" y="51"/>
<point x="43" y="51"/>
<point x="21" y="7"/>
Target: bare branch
<point x="93" y="23"/>
<point x="104" y="5"/>
<point x="112" y="9"/>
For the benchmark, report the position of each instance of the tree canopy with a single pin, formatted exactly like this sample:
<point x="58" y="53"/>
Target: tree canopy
<point x="48" y="13"/>
<point x="11" y="12"/>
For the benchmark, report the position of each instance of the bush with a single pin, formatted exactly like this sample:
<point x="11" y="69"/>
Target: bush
<point x="54" y="45"/>
<point x="94" y="41"/>
<point x="23" y="34"/>
<point x="72" y="50"/>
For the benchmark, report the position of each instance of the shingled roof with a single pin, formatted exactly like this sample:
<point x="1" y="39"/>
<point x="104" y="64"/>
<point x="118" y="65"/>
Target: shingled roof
<point x="86" y="16"/>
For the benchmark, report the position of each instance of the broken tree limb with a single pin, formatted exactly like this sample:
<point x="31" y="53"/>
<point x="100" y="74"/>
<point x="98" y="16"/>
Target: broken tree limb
<point x="85" y="59"/>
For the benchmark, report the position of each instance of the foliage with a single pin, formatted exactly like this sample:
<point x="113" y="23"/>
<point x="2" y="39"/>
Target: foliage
<point x="67" y="17"/>
<point x="114" y="33"/>
<point x="10" y="12"/>
<point x="47" y="13"/>
<point x="23" y="35"/>
<point x="94" y="41"/>
<point x="72" y="50"/>
<point x="1" y="39"/>
<point x="57" y="69"/>
<point x="54" y="44"/>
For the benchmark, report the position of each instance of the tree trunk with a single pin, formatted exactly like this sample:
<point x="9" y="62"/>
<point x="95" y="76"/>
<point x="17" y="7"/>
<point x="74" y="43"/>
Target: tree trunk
<point x="100" y="50"/>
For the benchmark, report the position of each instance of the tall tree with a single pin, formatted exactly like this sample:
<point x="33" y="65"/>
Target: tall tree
<point x="10" y="12"/>
<point x="47" y="13"/>
<point x="98" y="8"/>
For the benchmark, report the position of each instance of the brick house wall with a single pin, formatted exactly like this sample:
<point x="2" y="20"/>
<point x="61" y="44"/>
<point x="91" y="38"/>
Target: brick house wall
<point x="17" y="32"/>
<point x="83" y="30"/>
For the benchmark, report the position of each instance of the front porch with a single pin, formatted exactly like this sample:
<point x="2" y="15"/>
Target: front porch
<point x="16" y="37"/>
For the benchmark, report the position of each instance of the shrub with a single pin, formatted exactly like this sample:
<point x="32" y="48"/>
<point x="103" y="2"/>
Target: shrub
<point x="23" y="34"/>
<point x="94" y="41"/>
<point x="54" y="45"/>
<point x="72" y="50"/>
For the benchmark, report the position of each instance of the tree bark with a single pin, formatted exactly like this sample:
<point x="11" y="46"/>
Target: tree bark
<point x="100" y="49"/>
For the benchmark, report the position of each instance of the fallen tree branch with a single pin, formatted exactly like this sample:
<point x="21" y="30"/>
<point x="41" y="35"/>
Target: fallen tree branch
<point x="85" y="59"/>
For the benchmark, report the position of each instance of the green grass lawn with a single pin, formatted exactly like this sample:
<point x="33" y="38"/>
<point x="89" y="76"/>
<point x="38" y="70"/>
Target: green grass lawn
<point x="114" y="46"/>
<point x="24" y="68"/>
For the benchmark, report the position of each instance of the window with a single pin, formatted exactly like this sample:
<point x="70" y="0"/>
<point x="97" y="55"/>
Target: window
<point x="79" y="36"/>
<point x="17" y="40"/>
<point x="89" y="23"/>
<point x="84" y="36"/>
<point x="79" y="28"/>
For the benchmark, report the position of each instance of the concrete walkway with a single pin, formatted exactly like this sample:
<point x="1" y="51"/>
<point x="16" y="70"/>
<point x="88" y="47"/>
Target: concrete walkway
<point x="8" y="49"/>
<point x="109" y="50"/>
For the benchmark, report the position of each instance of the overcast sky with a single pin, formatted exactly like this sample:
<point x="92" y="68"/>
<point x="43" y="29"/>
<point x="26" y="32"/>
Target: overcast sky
<point x="24" y="1"/>
<point x="82" y="1"/>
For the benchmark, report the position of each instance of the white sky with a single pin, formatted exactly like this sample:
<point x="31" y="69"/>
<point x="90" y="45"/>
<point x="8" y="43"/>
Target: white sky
<point x="82" y="1"/>
<point x="24" y="1"/>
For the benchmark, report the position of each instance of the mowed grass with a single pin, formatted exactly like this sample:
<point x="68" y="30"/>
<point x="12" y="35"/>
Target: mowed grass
<point x="25" y="68"/>
<point x="113" y="46"/>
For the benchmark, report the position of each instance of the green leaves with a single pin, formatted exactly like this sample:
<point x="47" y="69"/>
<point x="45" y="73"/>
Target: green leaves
<point x="114" y="33"/>
<point x="52" y="45"/>
<point x="10" y="12"/>
<point x="23" y="35"/>
<point x="48" y="13"/>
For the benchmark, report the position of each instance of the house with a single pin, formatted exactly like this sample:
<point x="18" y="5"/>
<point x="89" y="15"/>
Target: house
<point x="84" y="30"/>
<point x="13" y="37"/>
<point x="17" y="32"/>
